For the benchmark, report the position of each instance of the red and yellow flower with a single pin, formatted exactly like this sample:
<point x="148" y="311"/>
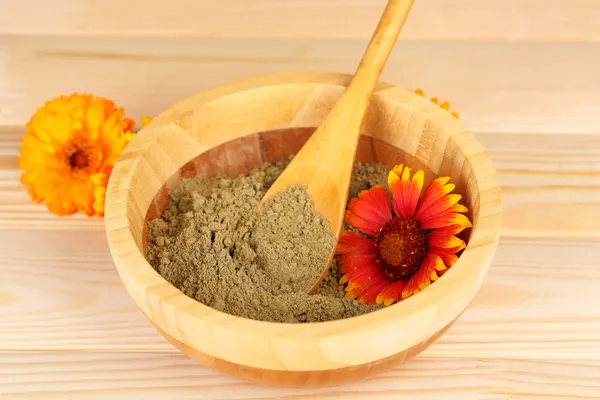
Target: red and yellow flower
<point x="406" y="240"/>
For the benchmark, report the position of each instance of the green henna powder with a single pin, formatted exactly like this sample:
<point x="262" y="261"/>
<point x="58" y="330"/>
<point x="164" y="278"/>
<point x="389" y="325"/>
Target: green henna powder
<point x="212" y="245"/>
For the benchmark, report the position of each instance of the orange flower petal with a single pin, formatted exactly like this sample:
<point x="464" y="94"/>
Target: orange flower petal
<point x="438" y="206"/>
<point x="458" y="208"/>
<point x="448" y="256"/>
<point x="444" y="237"/>
<point x="370" y="211"/>
<point x="359" y="272"/>
<point x="350" y="262"/>
<point x="405" y="191"/>
<point x="422" y="278"/>
<point x="362" y="225"/>
<point x="450" y="230"/>
<point x="391" y="293"/>
<point x="436" y="200"/>
<point x="360" y="278"/>
<point x="94" y="119"/>
<point x="437" y="189"/>
<point x="444" y="206"/>
<point x="85" y="126"/>
<point x="363" y="286"/>
<point x="99" y="194"/>
<point x="99" y="179"/>
<point x="369" y="296"/>
<point x="146" y="120"/>
<point x="445" y="105"/>
<point x="351" y="242"/>
<point x="446" y="219"/>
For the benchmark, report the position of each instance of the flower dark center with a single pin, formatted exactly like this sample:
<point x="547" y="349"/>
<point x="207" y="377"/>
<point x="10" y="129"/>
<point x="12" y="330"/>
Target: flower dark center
<point x="78" y="159"/>
<point x="402" y="246"/>
<point x="83" y="157"/>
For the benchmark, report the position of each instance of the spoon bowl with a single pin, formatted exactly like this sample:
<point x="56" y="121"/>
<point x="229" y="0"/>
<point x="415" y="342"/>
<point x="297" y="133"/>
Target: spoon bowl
<point x="324" y="164"/>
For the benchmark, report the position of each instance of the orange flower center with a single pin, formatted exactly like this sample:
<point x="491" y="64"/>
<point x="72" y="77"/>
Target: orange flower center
<point x="78" y="160"/>
<point x="83" y="157"/>
<point x="402" y="246"/>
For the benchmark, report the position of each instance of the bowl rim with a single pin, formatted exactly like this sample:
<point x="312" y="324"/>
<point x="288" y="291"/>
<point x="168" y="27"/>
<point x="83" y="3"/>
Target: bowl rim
<point x="306" y="346"/>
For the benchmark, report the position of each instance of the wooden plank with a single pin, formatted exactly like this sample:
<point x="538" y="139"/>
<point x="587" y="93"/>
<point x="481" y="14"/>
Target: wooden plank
<point x="60" y="291"/>
<point x="496" y="87"/>
<point x="447" y="19"/>
<point x="550" y="183"/>
<point x="50" y="375"/>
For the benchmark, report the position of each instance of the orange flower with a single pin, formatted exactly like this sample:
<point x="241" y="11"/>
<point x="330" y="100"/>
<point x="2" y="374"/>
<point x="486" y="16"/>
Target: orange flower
<point x="445" y="105"/>
<point x="68" y="151"/>
<point x="407" y="244"/>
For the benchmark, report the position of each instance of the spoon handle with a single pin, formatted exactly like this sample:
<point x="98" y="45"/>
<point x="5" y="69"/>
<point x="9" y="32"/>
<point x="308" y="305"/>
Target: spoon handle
<point x="324" y="164"/>
<point x="380" y="46"/>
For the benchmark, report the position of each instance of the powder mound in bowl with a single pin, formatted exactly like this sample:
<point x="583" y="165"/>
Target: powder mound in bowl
<point x="292" y="241"/>
<point x="212" y="245"/>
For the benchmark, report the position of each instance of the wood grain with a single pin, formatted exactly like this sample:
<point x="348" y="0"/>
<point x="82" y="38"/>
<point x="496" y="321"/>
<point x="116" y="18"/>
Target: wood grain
<point x="534" y="302"/>
<point x="522" y="73"/>
<point x="561" y="172"/>
<point x="496" y="87"/>
<point x="59" y="375"/>
<point x="512" y="20"/>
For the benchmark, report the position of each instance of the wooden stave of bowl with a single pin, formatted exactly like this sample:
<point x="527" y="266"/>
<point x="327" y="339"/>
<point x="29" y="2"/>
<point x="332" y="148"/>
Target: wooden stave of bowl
<point x="232" y="128"/>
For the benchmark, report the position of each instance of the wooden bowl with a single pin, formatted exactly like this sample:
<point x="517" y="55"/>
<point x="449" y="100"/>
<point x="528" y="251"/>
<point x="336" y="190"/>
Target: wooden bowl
<point x="238" y="126"/>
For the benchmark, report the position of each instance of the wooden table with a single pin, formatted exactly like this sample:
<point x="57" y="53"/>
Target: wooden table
<point x="525" y="76"/>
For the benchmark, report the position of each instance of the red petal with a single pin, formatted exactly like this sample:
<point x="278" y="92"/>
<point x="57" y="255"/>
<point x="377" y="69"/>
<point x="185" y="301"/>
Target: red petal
<point x="391" y="293"/>
<point x="433" y="192"/>
<point x="450" y="230"/>
<point x="444" y="238"/>
<point x="396" y="187"/>
<point x="370" y="211"/>
<point x="448" y="256"/>
<point x="438" y="206"/>
<point x="370" y="295"/>
<point x="351" y="242"/>
<point x="378" y="198"/>
<point x="349" y="262"/>
<point x="362" y="225"/>
<point x="356" y="266"/>
<point x="413" y="192"/>
<point x="405" y="191"/>
<point x="444" y="220"/>
<point x="366" y="283"/>
<point x="424" y="275"/>
<point x="458" y="208"/>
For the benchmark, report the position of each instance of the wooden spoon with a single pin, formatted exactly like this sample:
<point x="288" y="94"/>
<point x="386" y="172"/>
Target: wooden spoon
<point x="324" y="164"/>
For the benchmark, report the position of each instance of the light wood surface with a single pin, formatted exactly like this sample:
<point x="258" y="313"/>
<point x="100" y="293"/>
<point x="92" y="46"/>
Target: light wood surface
<point x="521" y="338"/>
<point x="324" y="163"/>
<point x="499" y="86"/>
<point x="522" y="74"/>
<point x="514" y="20"/>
